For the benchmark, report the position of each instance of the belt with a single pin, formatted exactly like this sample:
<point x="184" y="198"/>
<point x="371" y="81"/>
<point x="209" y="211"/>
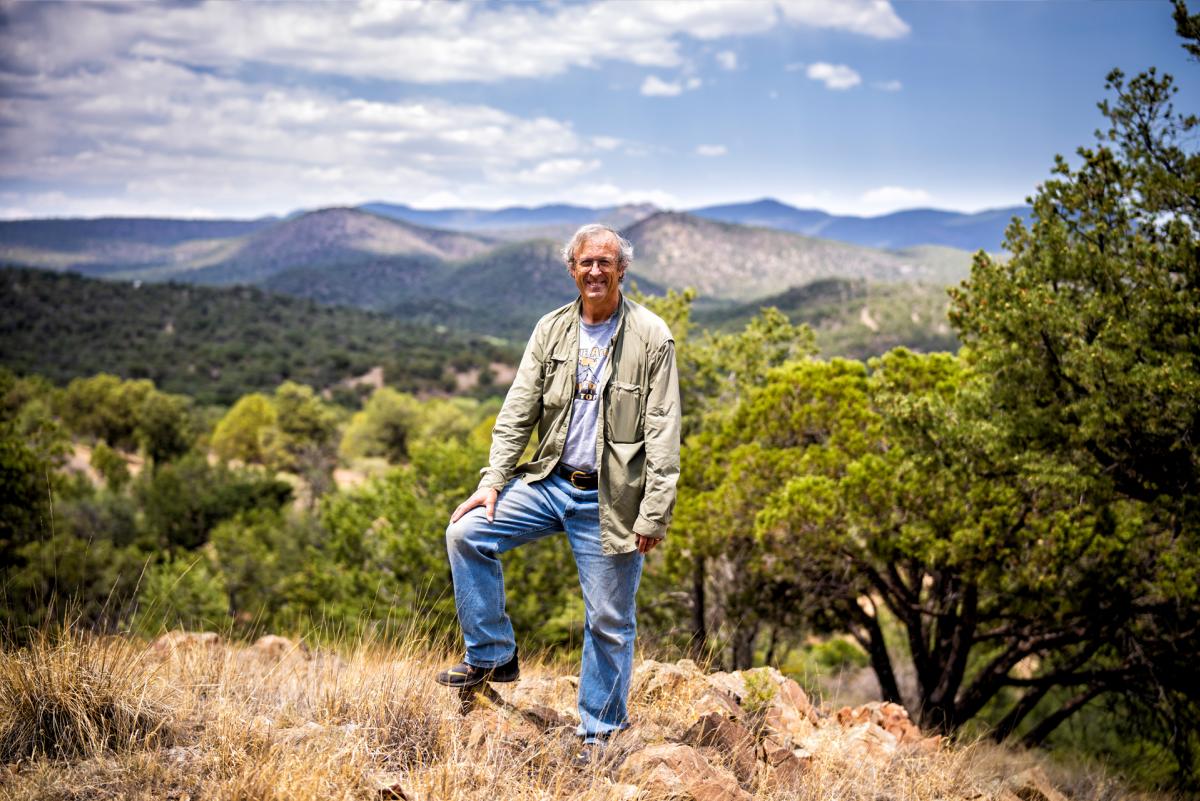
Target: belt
<point x="578" y="478"/>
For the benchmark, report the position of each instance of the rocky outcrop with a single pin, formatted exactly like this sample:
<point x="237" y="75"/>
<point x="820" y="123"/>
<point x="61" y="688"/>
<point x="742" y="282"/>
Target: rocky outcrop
<point x="750" y="731"/>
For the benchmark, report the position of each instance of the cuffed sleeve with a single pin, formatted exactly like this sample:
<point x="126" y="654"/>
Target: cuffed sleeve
<point x="662" y="426"/>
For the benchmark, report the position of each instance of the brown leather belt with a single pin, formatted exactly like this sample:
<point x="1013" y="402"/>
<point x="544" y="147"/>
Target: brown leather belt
<point x="578" y="478"/>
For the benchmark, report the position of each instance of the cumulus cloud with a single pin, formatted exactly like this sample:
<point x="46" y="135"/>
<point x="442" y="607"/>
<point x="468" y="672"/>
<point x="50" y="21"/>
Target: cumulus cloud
<point x="891" y="198"/>
<point x="711" y="150"/>
<point x="875" y="18"/>
<point x="239" y="107"/>
<point x="425" y="42"/>
<point x="654" y="86"/>
<point x="834" y="76"/>
<point x="727" y="59"/>
<point x="146" y="133"/>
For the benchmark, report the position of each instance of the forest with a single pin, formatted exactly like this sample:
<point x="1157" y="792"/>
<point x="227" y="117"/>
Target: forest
<point x="1008" y="536"/>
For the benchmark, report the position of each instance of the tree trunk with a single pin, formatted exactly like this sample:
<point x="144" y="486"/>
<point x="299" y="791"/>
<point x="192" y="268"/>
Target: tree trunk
<point x="876" y="648"/>
<point x="743" y="645"/>
<point x="1038" y="734"/>
<point x="698" y="645"/>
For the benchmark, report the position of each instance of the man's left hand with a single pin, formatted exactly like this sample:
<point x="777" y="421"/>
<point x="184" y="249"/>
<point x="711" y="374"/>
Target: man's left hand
<point x="646" y="544"/>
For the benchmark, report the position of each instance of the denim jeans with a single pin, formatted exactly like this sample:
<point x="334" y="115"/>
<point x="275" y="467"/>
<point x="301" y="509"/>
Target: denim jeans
<point x="528" y="512"/>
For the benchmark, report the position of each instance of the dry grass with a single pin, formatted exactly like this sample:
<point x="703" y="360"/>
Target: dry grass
<point x="86" y="718"/>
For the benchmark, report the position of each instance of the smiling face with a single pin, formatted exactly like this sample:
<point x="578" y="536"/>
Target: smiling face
<point x="598" y="275"/>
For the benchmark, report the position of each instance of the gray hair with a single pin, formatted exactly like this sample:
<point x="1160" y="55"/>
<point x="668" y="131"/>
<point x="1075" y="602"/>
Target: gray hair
<point x="586" y="232"/>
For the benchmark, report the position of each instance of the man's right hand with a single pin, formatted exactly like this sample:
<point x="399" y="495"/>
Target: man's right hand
<point x="485" y="497"/>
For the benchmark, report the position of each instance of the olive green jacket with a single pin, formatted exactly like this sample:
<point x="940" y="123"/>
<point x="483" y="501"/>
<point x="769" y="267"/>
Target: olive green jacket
<point x="637" y="446"/>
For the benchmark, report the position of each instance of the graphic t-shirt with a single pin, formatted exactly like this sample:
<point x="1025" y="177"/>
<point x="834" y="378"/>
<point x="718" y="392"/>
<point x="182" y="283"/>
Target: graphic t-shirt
<point x="594" y="343"/>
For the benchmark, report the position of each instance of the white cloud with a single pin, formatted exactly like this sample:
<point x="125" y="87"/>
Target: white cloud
<point x="693" y="83"/>
<point x="654" y="86"/>
<point x="608" y="194"/>
<point x="711" y="150"/>
<point x="556" y="171"/>
<point x="147" y="134"/>
<point x="883" y="199"/>
<point x="888" y="86"/>
<point x="875" y="18"/>
<point x="834" y="76"/>
<point x="606" y="142"/>
<point x="727" y="59"/>
<point x="425" y="42"/>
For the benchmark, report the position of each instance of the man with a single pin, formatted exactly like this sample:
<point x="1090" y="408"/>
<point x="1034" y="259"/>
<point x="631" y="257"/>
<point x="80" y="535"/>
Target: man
<point x="598" y="382"/>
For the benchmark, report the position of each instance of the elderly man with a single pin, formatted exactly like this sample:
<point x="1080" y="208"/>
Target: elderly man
<point x="598" y="382"/>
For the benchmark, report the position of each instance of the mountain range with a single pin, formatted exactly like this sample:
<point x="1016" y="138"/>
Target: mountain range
<point x="486" y="272"/>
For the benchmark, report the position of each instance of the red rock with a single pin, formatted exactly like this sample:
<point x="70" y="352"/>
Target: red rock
<point x="783" y="768"/>
<point x="732" y="740"/>
<point x="680" y="770"/>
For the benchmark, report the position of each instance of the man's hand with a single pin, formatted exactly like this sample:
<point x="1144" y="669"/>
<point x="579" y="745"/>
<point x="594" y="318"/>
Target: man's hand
<point x="485" y="497"/>
<point x="646" y="544"/>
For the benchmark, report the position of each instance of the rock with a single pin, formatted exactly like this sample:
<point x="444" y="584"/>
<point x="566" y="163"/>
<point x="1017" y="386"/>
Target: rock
<point x="618" y="791"/>
<point x="733" y="740"/>
<point x="275" y="647"/>
<point x="545" y="718"/>
<point x="679" y="770"/>
<point x="892" y="718"/>
<point x="719" y="701"/>
<point x="731" y="684"/>
<point x="493" y="724"/>
<point x="178" y="640"/>
<point x="1034" y="785"/>
<point x="793" y="695"/>
<point x="783" y="767"/>
<point x="653" y="680"/>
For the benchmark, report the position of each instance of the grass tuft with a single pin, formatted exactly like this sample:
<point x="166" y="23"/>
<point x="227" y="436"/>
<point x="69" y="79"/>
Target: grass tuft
<point x="72" y="696"/>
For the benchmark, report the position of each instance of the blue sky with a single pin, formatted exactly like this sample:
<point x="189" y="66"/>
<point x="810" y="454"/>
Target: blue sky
<point x="853" y="106"/>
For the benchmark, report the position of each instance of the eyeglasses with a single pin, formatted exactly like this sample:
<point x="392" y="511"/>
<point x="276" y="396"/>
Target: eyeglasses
<point x="603" y="264"/>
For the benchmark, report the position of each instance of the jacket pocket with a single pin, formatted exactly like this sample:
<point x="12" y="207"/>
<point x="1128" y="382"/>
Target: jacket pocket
<point x="557" y="383"/>
<point x="624" y="412"/>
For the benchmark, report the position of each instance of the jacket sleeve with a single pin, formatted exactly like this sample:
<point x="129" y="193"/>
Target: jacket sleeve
<point x="662" y="444"/>
<point x="520" y="413"/>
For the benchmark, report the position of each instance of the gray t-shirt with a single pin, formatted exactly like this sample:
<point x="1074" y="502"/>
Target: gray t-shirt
<point x="594" y="342"/>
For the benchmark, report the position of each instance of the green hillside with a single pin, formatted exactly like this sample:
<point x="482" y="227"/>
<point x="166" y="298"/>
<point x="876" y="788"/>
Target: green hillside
<point x="856" y="319"/>
<point x="214" y="344"/>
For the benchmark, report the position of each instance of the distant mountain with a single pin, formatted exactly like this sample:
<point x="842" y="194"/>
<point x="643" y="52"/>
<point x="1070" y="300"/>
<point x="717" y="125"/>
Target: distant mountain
<point x="501" y="292"/>
<point x="738" y="262"/>
<point x="983" y="230"/>
<point x="330" y="238"/>
<point x="107" y="244"/>
<point x="555" y="221"/>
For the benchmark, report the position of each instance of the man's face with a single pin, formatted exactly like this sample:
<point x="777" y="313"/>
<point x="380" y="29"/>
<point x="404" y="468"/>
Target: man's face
<point x="596" y="272"/>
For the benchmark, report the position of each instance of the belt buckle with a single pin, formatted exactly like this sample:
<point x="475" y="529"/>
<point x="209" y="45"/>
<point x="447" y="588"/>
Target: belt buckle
<point x="571" y="478"/>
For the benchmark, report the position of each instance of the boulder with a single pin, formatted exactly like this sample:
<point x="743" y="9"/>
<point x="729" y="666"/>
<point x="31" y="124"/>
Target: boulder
<point x="893" y="719"/>
<point x="273" y="646"/>
<point x="179" y="640"/>
<point x="719" y="701"/>
<point x="782" y="766"/>
<point x="680" y="771"/>
<point x="733" y="741"/>
<point x="1034" y="785"/>
<point x="653" y="680"/>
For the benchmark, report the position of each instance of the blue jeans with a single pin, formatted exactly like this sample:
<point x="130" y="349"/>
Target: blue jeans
<point x="528" y="512"/>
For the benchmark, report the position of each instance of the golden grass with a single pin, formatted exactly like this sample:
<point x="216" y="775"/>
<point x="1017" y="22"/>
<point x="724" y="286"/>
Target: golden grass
<point x="108" y="718"/>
